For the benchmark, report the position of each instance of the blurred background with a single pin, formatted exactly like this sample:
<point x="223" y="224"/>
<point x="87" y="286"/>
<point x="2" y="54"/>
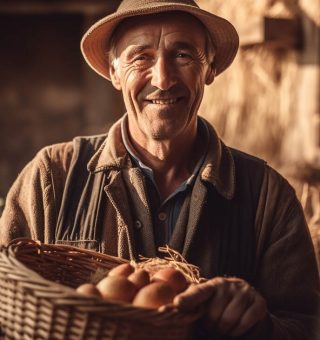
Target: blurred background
<point x="47" y="92"/>
<point x="267" y="103"/>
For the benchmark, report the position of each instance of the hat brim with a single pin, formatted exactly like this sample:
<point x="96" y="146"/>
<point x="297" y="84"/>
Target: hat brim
<point x="94" y="43"/>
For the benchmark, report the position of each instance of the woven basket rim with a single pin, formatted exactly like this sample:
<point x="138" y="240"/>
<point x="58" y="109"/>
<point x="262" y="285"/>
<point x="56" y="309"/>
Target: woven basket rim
<point x="29" y="279"/>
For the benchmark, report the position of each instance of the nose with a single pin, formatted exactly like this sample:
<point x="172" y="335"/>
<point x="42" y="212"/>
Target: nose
<point x="163" y="74"/>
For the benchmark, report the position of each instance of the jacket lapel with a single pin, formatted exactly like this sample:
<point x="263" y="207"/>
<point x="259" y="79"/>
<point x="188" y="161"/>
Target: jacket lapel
<point x="197" y="203"/>
<point x="137" y="188"/>
<point x="118" y="197"/>
<point x="179" y="232"/>
<point x="217" y="171"/>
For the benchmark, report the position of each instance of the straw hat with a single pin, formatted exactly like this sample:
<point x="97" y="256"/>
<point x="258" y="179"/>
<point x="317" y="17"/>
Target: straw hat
<point x="95" y="42"/>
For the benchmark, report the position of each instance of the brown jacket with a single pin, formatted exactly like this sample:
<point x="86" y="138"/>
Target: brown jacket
<point x="284" y="267"/>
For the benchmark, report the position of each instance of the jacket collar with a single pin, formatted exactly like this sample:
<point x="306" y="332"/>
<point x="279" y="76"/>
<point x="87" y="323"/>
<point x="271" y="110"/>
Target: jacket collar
<point x="112" y="154"/>
<point x="218" y="168"/>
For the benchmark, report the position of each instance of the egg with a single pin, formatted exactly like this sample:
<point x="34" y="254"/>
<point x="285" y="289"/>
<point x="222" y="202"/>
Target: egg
<point x="88" y="289"/>
<point x="124" y="269"/>
<point x="117" y="288"/>
<point x="140" y="278"/>
<point x="154" y="295"/>
<point x="173" y="277"/>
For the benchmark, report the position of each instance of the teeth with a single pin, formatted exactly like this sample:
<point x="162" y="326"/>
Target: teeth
<point x="164" y="101"/>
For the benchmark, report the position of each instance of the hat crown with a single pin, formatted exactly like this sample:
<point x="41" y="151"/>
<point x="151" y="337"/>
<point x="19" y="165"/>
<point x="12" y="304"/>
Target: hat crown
<point x="127" y="5"/>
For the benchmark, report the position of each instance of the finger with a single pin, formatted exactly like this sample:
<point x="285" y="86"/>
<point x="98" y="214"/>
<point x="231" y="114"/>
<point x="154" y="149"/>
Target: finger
<point x="219" y="301"/>
<point x="193" y="296"/>
<point x="255" y="313"/>
<point x="242" y="298"/>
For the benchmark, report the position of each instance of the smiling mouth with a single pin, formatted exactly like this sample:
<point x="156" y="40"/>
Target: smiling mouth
<point x="164" y="101"/>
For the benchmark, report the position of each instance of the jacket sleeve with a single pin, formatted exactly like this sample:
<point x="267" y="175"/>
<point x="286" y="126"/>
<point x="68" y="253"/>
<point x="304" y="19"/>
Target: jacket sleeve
<point x="286" y="268"/>
<point x="31" y="206"/>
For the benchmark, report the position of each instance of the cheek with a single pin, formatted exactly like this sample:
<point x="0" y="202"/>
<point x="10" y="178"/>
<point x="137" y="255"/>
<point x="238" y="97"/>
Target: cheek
<point x="194" y="79"/>
<point x="196" y="91"/>
<point x="196" y="84"/>
<point x="134" y="82"/>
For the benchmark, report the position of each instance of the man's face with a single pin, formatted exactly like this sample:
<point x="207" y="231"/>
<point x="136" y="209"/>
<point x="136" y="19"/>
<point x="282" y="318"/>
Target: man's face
<point x="162" y="69"/>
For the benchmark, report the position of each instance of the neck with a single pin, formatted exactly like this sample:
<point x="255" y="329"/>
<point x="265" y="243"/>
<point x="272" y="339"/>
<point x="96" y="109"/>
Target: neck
<point x="172" y="161"/>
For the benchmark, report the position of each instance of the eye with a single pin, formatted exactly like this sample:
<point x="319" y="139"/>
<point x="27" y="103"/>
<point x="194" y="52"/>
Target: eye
<point x="184" y="58"/>
<point x="142" y="58"/>
<point x="183" y="55"/>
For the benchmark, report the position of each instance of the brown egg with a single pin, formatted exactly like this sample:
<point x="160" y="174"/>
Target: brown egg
<point x="140" y="278"/>
<point x="154" y="295"/>
<point x="173" y="277"/>
<point x="124" y="269"/>
<point x="88" y="289"/>
<point x="117" y="288"/>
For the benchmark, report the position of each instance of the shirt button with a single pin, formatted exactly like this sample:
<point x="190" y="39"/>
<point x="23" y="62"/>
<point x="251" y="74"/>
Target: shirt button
<point x="138" y="224"/>
<point x="162" y="216"/>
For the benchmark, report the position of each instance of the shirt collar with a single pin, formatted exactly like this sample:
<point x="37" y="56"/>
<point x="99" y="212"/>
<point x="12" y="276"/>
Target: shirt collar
<point x="128" y="145"/>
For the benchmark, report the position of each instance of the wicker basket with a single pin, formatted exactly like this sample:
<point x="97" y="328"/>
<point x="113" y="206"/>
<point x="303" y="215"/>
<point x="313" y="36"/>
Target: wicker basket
<point x="38" y="299"/>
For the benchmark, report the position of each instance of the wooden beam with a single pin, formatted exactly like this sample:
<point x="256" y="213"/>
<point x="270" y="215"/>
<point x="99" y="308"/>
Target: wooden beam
<point x="280" y="33"/>
<point x="283" y="33"/>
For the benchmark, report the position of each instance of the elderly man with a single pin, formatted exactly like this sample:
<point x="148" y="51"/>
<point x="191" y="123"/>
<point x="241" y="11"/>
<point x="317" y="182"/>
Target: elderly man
<point x="162" y="176"/>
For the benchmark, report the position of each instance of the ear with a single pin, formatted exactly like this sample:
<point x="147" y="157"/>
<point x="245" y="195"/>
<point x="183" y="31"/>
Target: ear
<point x="211" y="73"/>
<point x="115" y="79"/>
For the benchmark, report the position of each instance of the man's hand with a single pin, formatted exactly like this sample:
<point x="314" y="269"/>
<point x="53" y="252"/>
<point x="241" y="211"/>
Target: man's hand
<point x="233" y="306"/>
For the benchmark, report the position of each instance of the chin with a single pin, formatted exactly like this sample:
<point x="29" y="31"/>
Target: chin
<point x="163" y="134"/>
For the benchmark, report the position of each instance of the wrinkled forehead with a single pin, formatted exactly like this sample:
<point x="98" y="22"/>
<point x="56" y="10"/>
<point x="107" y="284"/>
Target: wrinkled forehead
<point x="144" y="24"/>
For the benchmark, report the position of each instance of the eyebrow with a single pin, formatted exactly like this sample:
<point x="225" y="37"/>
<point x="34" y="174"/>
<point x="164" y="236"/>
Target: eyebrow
<point x="137" y="49"/>
<point x="181" y="45"/>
